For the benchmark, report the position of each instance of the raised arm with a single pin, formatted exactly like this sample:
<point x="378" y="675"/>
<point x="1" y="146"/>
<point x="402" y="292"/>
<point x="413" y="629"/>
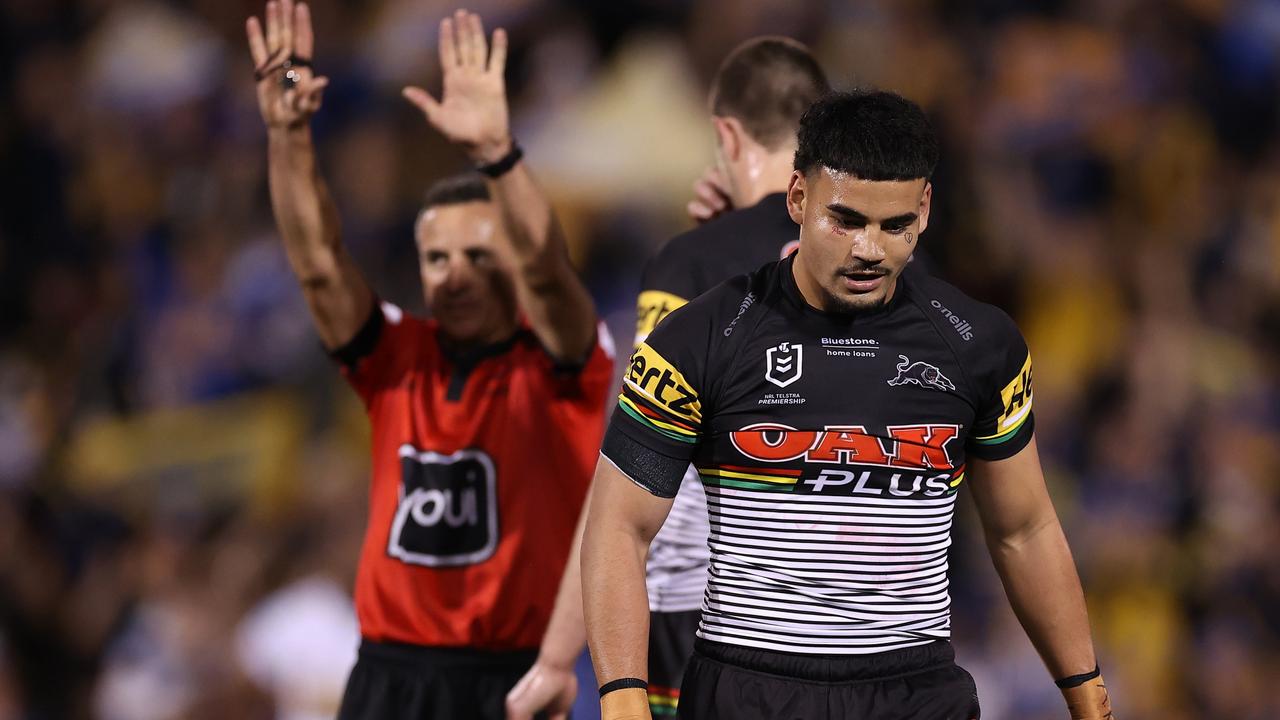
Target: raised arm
<point x="1031" y="555"/>
<point x="288" y="95"/>
<point x="473" y="114"/>
<point x="621" y="522"/>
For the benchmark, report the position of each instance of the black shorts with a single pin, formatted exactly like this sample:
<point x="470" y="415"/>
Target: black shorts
<point x="671" y="637"/>
<point x="726" y="682"/>
<point x="395" y="681"/>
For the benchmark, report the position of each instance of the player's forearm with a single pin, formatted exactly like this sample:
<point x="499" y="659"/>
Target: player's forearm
<point x="1040" y="579"/>
<point x="615" y="602"/>
<point x="551" y="294"/>
<point x="338" y="296"/>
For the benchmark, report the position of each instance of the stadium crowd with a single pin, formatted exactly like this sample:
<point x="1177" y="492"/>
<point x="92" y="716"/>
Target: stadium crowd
<point x="182" y="474"/>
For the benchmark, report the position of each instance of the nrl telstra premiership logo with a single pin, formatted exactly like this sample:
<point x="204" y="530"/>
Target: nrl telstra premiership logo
<point x="784" y="364"/>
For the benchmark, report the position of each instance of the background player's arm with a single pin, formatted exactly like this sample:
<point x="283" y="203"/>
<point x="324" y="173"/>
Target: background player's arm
<point x="1031" y="555"/>
<point x="338" y="296"/>
<point x="622" y="520"/>
<point x="551" y="684"/>
<point x="473" y="114"/>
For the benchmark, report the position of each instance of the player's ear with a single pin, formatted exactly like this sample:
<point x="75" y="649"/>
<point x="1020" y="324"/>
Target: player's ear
<point x="796" y="196"/>
<point x="728" y="136"/>
<point x="926" y="200"/>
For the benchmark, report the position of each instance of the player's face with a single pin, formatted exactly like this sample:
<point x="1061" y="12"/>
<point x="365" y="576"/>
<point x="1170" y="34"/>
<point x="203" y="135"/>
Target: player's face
<point x="467" y="286"/>
<point x="856" y="236"/>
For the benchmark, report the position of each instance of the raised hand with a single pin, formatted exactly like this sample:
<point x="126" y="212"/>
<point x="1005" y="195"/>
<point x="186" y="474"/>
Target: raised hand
<point x="710" y="197"/>
<point x="472" y="111"/>
<point x="289" y="93"/>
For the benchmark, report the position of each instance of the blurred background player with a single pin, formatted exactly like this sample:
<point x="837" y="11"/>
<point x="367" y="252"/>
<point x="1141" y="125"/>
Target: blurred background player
<point x="757" y="97"/>
<point x="485" y="418"/>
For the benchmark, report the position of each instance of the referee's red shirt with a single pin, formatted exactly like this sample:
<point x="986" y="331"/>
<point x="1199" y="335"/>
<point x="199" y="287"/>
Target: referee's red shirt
<point x="480" y="467"/>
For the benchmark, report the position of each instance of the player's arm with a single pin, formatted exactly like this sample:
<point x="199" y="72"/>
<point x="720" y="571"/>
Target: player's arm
<point x="338" y="296"/>
<point x="473" y="114"/>
<point x="1031" y="555"/>
<point x="622" y="520"/>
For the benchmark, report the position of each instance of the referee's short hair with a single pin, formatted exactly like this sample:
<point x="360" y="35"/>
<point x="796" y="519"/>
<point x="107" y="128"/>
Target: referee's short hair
<point x="871" y="134"/>
<point x="456" y="189"/>
<point x="766" y="83"/>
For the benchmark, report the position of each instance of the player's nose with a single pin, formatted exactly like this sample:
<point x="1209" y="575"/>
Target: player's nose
<point x="868" y="246"/>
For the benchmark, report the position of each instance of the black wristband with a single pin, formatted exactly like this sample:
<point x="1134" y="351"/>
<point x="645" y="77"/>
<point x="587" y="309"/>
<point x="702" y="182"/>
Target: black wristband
<point x="623" y="684"/>
<point x="504" y="164"/>
<point x="1067" y="683"/>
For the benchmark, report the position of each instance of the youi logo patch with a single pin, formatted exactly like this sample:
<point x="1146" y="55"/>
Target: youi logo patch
<point x="784" y="364"/>
<point x="448" y="512"/>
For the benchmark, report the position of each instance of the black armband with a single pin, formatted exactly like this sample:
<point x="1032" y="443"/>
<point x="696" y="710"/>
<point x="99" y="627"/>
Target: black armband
<point x="365" y="340"/>
<point x="623" y="684"/>
<point x="503" y="165"/>
<point x="1067" y="683"/>
<point x="651" y="470"/>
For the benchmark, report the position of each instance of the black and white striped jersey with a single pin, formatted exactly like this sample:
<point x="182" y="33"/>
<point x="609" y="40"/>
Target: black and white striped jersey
<point x="690" y="264"/>
<point x="830" y="449"/>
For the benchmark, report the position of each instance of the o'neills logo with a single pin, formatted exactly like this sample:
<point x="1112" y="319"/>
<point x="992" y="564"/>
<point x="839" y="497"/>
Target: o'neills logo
<point x="963" y="328"/>
<point x="906" y="446"/>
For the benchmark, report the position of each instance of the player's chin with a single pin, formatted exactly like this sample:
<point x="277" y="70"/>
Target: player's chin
<point x="849" y="301"/>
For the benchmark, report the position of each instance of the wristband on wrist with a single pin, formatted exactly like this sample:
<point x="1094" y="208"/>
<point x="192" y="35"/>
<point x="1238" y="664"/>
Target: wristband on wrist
<point x="1069" y="682"/>
<point x="502" y="165"/>
<point x="623" y="684"/>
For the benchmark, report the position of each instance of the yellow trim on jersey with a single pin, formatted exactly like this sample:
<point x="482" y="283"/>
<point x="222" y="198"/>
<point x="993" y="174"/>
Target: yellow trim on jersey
<point x="658" y="381"/>
<point x="1016" y="397"/>
<point x="749" y="476"/>
<point x="651" y="307"/>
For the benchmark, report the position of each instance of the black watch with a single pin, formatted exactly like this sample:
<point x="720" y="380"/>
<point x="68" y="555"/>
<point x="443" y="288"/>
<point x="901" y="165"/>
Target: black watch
<point x="502" y="165"/>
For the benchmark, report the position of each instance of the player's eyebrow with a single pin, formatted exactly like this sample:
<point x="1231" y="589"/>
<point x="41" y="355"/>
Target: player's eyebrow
<point x="854" y="216"/>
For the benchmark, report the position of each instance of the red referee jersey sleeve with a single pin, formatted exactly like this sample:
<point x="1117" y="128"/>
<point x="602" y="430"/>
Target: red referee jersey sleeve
<point x="383" y="353"/>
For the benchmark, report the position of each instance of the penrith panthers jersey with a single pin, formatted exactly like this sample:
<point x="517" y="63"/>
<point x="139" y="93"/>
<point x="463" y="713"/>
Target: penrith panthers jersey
<point x="830" y="448"/>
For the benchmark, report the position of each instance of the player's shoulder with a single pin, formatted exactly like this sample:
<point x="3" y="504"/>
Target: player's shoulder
<point x="720" y="311"/>
<point x="698" y="257"/>
<point x="968" y="324"/>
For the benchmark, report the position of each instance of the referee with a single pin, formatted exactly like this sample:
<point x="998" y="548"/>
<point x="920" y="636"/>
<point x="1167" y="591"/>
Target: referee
<point x="757" y="97"/>
<point x="833" y="407"/>
<point x="485" y="419"/>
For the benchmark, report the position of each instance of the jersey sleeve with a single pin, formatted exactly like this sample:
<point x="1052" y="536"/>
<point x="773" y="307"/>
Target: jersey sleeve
<point x="1005" y="422"/>
<point x="381" y="353"/>
<point x="668" y="281"/>
<point x="658" y="422"/>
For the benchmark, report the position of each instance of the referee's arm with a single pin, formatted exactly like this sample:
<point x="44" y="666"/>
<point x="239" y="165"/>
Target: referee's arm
<point x="621" y="521"/>
<point x="1030" y="552"/>
<point x="474" y="115"/>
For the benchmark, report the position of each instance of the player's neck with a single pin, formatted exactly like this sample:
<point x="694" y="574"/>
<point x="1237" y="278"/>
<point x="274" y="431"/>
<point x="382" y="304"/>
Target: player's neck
<point x="763" y="174"/>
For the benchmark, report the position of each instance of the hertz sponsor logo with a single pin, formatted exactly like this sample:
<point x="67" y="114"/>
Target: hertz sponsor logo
<point x="651" y="307"/>
<point x="659" y="381"/>
<point x="1016" y="397"/>
<point x="962" y="327"/>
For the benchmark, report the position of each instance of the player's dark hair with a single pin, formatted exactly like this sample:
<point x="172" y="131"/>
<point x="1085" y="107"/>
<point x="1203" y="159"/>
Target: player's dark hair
<point x="766" y="83"/>
<point x="872" y="134"/>
<point x="455" y="190"/>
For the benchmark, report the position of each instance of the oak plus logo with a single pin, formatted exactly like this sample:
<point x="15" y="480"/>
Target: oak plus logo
<point x="448" y="511"/>
<point x="784" y="364"/>
<point x="922" y="374"/>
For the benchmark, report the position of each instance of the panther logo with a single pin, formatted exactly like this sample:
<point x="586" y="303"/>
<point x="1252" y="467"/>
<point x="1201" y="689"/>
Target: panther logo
<point x="922" y="374"/>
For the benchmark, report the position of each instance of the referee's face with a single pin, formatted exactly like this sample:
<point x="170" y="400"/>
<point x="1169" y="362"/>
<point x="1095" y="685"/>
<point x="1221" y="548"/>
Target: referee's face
<point x="856" y="236"/>
<point x="468" y="288"/>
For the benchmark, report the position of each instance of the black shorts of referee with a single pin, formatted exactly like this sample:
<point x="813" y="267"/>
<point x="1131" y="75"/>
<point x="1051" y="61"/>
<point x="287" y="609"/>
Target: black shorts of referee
<point x="395" y="681"/>
<point x="728" y="682"/>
